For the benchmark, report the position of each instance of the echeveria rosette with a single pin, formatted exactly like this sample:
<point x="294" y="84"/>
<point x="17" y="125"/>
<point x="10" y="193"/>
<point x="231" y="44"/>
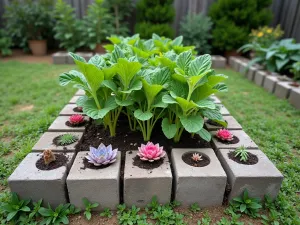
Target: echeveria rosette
<point x="151" y="152"/>
<point x="224" y="135"/>
<point x="102" y="155"/>
<point x="76" y="119"/>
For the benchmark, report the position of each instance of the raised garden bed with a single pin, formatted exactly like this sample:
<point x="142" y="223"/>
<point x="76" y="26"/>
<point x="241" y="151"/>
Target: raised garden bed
<point x="60" y="124"/>
<point x="260" y="179"/>
<point x="204" y="184"/>
<point x="294" y="97"/>
<point x="33" y="183"/>
<point x="71" y="109"/>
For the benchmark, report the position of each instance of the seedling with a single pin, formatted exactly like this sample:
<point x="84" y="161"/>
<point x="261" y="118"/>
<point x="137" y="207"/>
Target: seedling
<point x="242" y="153"/>
<point x="106" y="213"/>
<point x="88" y="208"/>
<point x="195" y="207"/>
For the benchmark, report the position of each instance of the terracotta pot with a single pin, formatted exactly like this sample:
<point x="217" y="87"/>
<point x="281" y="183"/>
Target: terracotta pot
<point x="38" y="47"/>
<point x="100" y="49"/>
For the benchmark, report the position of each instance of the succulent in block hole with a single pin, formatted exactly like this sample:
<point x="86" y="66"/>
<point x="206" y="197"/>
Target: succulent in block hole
<point x="224" y="135"/>
<point x="48" y="156"/>
<point x="151" y="152"/>
<point x="102" y="155"/>
<point x="76" y="119"/>
<point x="67" y="139"/>
<point x="196" y="157"/>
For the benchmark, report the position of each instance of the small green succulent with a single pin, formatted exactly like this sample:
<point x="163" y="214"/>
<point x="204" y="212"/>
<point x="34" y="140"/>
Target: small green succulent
<point x="67" y="139"/>
<point x="242" y="153"/>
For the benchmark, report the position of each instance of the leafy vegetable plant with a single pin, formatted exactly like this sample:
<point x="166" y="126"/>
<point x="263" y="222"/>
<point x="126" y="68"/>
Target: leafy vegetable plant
<point x="88" y="208"/>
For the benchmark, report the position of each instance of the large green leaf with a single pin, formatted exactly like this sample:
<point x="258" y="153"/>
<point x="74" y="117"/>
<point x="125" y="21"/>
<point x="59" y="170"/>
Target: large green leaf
<point x="185" y="105"/>
<point x="215" y="79"/>
<point x="206" y="103"/>
<point x="72" y="76"/>
<point x="116" y="54"/>
<point x="281" y="63"/>
<point x="77" y="57"/>
<point x="90" y="108"/>
<point x="168" y="128"/>
<point x="161" y="76"/>
<point x="97" y="60"/>
<point x="177" y="41"/>
<point x="184" y="60"/>
<point x="126" y="71"/>
<point x="143" y="116"/>
<point x="135" y="86"/>
<point x="200" y="65"/>
<point x="126" y="102"/>
<point x="151" y="90"/>
<point x="203" y="92"/>
<point x="204" y="134"/>
<point x="192" y="124"/>
<point x="109" y="72"/>
<point x="168" y="99"/>
<point x="110" y="84"/>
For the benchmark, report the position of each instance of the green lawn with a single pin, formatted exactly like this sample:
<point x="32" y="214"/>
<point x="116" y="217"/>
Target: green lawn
<point x="31" y="99"/>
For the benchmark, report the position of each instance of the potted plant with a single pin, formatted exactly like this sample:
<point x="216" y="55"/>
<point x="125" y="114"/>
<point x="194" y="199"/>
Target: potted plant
<point x="30" y="24"/>
<point x="98" y="24"/>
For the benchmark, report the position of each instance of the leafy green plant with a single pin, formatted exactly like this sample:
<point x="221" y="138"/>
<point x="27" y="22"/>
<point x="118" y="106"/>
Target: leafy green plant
<point x="106" y="213"/>
<point x="295" y="70"/>
<point x="88" y="208"/>
<point x="278" y="57"/>
<point x="57" y="216"/>
<point x="234" y="19"/>
<point x="272" y="219"/>
<point x="195" y="30"/>
<point x="68" y="29"/>
<point x="242" y="153"/>
<point x="36" y="207"/>
<point x="265" y="36"/>
<point x="67" y="139"/>
<point x="195" y="207"/>
<point x="15" y="208"/>
<point x="206" y="220"/>
<point x="5" y="43"/>
<point x="155" y="16"/>
<point x="97" y="23"/>
<point x="131" y="216"/>
<point x="247" y="205"/>
<point x="29" y="20"/>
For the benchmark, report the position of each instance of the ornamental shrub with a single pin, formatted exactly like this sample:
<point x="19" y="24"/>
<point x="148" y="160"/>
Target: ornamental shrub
<point x="68" y="29"/>
<point x="155" y="16"/>
<point x="29" y="20"/>
<point x="195" y="30"/>
<point x="5" y="43"/>
<point x="234" y="19"/>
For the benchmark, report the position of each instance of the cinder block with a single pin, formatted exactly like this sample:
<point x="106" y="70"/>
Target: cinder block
<point x="204" y="185"/>
<point x="68" y="110"/>
<point x="294" y="98"/>
<point x="244" y="140"/>
<point x="59" y="125"/>
<point x="215" y="99"/>
<point x="270" y="83"/>
<point x="232" y="124"/>
<point x="243" y="68"/>
<point x="224" y="111"/>
<point x="46" y="142"/>
<point x="260" y="77"/>
<point x="218" y="61"/>
<point x="283" y="89"/>
<point x="231" y="60"/>
<point x="97" y="185"/>
<point x="31" y="183"/>
<point x="60" y="58"/>
<point x="74" y="99"/>
<point x="80" y="92"/>
<point x="259" y="179"/>
<point x="85" y="55"/>
<point x="236" y="64"/>
<point x="140" y="185"/>
<point x="251" y="73"/>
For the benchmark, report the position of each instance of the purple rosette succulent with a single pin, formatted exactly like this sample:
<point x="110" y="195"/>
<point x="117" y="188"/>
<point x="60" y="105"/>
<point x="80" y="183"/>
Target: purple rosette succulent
<point x="102" y="155"/>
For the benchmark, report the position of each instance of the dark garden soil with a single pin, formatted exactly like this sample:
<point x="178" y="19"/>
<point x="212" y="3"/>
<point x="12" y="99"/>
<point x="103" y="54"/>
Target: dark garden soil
<point x="56" y="141"/>
<point x="187" y="158"/>
<point x="60" y="160"/>
<point x="86" y="164"/>
<point x="75" y="125"/>
<point x="235" y="140"/>
<point x="146" y="164"/>
<point x="127" y="140"/>
<point x="252" y="159"/>
<point x="77" y="109"/>
<point x="213" y="123"/>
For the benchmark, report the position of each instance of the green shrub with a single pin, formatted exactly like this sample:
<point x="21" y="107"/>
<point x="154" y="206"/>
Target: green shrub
<point x="5" y="43"/>
<point x="155" y="16"/>
<point x="97" y="23"/>
<point x="29" y="20"/>
<point x="195" y="30"/>
<point x="121" y="9"/>
<point x="68" y="29"/>
<point x="234" y="20"/>
<point x="146" y="29"/>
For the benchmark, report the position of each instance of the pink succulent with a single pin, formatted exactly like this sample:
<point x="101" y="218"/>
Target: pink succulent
<point x="224" y="135"/>
<point x="76" y="119"/>
<point x="151" y="152"/>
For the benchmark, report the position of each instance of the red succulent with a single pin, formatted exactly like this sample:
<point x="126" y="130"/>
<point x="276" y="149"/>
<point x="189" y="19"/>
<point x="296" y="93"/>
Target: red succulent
<point x="224" y="135"/>
<point x="76" y="119"/>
